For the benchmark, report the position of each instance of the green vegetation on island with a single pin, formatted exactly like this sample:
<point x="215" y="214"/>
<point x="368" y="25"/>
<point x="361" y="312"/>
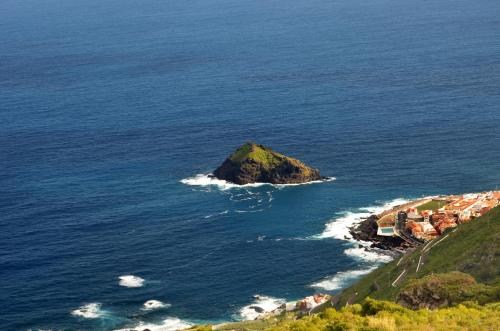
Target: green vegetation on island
<point x="253" y="163"/>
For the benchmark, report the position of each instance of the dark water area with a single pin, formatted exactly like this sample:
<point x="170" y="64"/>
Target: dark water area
<point x="105" y="106"/>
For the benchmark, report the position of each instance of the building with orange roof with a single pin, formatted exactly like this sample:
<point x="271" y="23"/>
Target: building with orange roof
<point x="444" y="224"/>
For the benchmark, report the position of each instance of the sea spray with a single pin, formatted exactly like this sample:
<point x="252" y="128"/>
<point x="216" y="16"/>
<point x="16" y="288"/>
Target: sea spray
<point x="90" y="310"/>
<point x="155" y="304"/>
<point x="168" y="324"/>
<point x="339" y="228"/>
<point x="341" y="279"/>
<point x="260" y="306"/>
<point x="131" y="281"/>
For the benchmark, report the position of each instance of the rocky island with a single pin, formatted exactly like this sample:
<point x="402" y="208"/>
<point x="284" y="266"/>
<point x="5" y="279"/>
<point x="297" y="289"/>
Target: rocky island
<point x="254" y="163"/>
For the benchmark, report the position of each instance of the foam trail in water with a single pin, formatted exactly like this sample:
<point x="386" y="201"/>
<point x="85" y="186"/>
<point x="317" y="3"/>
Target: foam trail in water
<point x="248" y="211"/>
<point x="131" y="281"/>
<point x="261" y="305"/>
<point x="341" y="279"/>
<point x="90" y="310"/>
<point x="169" y="324"/>
<point x="247" y="200"/>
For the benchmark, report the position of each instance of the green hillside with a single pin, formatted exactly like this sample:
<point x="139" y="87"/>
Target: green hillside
<point x="472" y="248"/>
<point x="375" y="315"/>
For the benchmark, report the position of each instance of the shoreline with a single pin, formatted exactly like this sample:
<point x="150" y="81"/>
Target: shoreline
<point x="366" y="230"/>
<point x="411" y="224"/>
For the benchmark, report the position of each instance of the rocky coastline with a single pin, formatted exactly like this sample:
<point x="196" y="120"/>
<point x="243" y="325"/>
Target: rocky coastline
<point x="366" y="230"/>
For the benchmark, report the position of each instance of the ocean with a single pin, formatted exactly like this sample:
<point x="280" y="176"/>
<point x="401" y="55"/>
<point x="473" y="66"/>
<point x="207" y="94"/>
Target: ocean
<point x="113" y="112"/>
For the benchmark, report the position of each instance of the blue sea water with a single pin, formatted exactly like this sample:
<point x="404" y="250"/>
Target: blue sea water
<point x="105" y="106"/>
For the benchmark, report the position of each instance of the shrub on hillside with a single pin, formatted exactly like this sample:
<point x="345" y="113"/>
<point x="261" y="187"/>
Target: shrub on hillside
<point x="442" y="290"/>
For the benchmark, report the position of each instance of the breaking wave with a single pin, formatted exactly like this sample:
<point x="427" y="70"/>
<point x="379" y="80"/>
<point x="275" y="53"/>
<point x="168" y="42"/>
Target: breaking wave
<point x="210" y="180"/>
<point x="155" y="304"/>
<point x="131" y="281"/>
<point x="260" y="306"/>
<point x="341" y="279"/>
<point x="169" y="324"/>
<point x="90" y="310"/>
<point x="370" y="254"/>
<point x="338" y="228"/>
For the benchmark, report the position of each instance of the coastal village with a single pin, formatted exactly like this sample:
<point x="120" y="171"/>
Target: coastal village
<point x="416" y="222"/>
<point x="426" y="219"/>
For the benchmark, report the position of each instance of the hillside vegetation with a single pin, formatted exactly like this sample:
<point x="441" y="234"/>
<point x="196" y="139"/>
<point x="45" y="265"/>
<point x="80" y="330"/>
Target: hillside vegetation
<point x="375" y="315"/>
<point x="472" y="248"/>
<point x="258" y="153"/>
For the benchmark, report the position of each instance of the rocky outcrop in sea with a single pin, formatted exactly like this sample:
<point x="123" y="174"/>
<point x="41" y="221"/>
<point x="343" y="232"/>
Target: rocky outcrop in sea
<point x="254" y="163"/>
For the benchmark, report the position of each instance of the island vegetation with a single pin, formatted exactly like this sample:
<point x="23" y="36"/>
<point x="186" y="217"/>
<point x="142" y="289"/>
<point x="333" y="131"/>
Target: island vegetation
<point x="254" y="163"/>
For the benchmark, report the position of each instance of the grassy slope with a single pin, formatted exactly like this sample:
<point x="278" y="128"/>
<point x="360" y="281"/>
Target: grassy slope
<point x="258" y="153"/>
<point x="473" y="248"/>
<point x="432" y="205"/>
<point x="375" y="315"/>
<point x="264" y="156"/>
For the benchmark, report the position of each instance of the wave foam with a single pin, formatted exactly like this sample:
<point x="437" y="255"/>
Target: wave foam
<point x="90" y="310"/>
<point x="261" y="305"/>
<point x="131" y="281"/>
<point x="155" y="304"/>
<point x="169" y="324"/>
<point x="372" y="255"/>
<point x="338" y="228"/>
<point x="210" y="180"/>
<point x="341" y="279"/>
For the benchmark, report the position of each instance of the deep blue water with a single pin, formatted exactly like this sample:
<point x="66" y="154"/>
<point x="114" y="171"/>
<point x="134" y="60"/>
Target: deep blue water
<point x="106" y="105"/>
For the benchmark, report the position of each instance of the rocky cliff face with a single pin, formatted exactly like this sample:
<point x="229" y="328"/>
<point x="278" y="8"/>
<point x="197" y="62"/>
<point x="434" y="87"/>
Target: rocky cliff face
<point x="253" y="163"/>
